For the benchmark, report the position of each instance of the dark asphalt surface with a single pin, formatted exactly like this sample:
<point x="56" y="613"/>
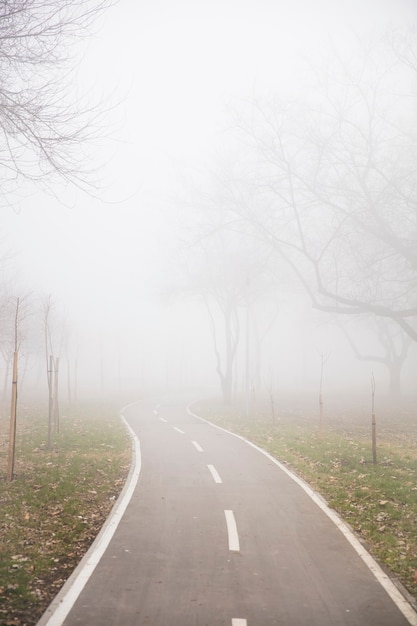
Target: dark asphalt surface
<point x="169" y="562"/>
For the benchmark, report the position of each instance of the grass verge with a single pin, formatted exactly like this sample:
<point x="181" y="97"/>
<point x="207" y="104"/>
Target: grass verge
<point x="53" y="510"/>
<point x="379" y="502"/>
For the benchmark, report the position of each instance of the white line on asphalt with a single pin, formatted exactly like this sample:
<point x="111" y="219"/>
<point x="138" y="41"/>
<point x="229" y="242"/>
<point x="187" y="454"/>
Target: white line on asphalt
<point x="61" y="605"/>
<point x="179" y="430"/>
<point x="232" y="531"/>
<point x="163" y="420"/>
<point x="392" y="590"/>
<point x="238" y="621"/>
<point x="215" y="474"/>
<point x="197" y="446"/>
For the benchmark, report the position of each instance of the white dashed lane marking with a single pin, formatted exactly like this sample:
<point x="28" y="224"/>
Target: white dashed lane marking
<point x="233" y="537"/>
<point x="215" y="474"/>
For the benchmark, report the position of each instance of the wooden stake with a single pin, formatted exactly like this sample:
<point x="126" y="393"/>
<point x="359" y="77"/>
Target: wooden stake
<point x="56" y="398"/>
<point x="13" y="413"/>
<point x="374" y="459"/>
<point x="321" y="397"/>
<point x="69" y="384"/>
<point x="50" y="404"/>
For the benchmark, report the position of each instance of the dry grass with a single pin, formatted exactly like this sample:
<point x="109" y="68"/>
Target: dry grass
<point x="53" y="510"/>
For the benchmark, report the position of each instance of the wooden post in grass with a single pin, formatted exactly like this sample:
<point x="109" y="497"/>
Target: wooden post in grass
<point x="13" y="414"/>
<point x="321" y="396"/>
<point x="69" y="386"/>
<point x="373" y="420"/>
<point x="56" y="398"/>
<point x="270" y="389"/>
<point x="50" y="400"/>
<point x="13" y="408"/>
<point x="75" y="394"/>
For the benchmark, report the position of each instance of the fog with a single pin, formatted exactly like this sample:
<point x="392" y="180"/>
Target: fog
<point x="134" y="306"/>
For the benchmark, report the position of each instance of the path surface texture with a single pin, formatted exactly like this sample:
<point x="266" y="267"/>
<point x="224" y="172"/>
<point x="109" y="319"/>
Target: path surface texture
<point x="215" y="533"/>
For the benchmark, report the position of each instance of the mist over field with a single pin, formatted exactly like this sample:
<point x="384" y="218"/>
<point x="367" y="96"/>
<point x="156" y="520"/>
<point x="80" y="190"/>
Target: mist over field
<point x="243" y="221"/>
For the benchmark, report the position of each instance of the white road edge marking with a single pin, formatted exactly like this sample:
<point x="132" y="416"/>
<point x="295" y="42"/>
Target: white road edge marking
<point x="215" y="474"/>
<point x="237" y="621"/>
<point x="232" y="531"/>
<point x="178" y="430"/>
<point x="197" y="446"/>
<point x="63" y="602"/>
<point x="394" y="593"/>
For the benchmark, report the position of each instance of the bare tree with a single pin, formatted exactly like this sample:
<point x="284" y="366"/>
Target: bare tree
<point x="218" y="280"/>
<point x="339" y="177"/>
<point x="40" y="123"/>
<point x="230" y="273"/>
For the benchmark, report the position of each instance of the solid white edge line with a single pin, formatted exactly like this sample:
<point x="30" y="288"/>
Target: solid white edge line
<point x="63" y="602"/>
<point x="215" y="474"/>
<point x="392" y="590"/>
<point x="237" y="621"/>
<point x="197" y="446"/>
<point x="233" y="537"/>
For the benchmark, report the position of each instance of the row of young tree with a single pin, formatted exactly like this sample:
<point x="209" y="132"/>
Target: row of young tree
<point x="33" y="342"/>
<point x="320" y="186"/>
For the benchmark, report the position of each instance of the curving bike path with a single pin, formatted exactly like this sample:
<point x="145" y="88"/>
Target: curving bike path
<point x="212" y="531"/>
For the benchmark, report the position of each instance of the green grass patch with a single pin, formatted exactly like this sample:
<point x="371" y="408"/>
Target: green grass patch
<point x="378" y="501"/>
<point x="57" y="503"/>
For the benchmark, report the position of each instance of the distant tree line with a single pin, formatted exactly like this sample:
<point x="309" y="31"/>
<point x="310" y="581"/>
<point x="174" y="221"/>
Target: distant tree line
<point x="323" y="182"/>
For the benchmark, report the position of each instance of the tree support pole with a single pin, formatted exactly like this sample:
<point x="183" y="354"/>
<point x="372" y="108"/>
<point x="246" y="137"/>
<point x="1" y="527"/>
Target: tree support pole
<point x="374" y="458"/>
<point x="51" y="399"/>
<point x="13" y="413"/>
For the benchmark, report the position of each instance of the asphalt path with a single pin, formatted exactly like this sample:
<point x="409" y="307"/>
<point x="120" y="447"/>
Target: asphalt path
<point x="216" y="533"/>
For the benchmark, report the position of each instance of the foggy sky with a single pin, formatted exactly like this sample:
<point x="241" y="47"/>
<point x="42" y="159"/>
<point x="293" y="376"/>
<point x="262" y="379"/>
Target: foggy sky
<point x="166" y="73"/>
